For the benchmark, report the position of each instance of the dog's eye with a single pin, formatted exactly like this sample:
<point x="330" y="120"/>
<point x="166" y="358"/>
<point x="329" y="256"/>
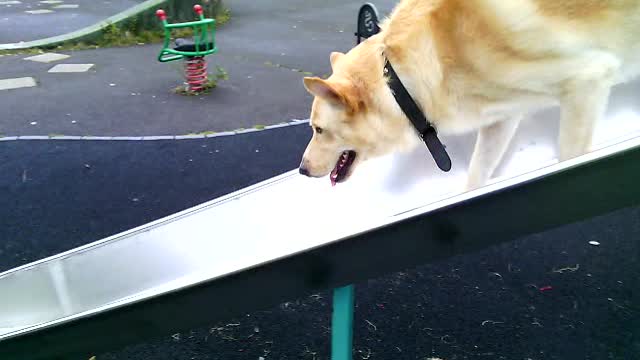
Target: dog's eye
<point x="319" y="130"/>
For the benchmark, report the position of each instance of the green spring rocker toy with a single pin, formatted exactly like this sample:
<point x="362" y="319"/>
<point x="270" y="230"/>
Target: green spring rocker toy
<point x="192" y="51"/>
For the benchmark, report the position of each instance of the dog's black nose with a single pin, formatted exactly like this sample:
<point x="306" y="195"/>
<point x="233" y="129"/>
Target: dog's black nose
<point x="303" y="170"/>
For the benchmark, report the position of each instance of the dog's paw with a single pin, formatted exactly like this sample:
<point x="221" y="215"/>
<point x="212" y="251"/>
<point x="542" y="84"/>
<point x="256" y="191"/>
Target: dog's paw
<point x="472" y="186"/>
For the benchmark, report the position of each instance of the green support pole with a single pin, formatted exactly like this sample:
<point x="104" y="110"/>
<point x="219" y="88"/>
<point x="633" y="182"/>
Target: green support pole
<point x="342" y="324"/>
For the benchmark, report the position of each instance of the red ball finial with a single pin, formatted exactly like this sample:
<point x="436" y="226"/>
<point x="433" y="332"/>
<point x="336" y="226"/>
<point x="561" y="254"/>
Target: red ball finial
<point x="161" y="14"/>
<point x="197" y="9"/>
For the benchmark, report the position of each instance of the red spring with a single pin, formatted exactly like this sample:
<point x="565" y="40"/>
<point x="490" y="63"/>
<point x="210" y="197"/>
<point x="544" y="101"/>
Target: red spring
<point x="195" y="68"/>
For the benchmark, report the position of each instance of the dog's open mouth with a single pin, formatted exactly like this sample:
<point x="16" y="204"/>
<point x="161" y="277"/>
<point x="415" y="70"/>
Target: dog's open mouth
<point x="341" y="171"/>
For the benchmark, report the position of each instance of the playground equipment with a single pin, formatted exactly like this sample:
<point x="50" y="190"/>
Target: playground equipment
<point x="204" y="264"/>
<point x="192" y="51"/>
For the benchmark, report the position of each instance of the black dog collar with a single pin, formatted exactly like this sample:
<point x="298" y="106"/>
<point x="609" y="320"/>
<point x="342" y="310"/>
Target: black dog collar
<point x="420" y="122"/>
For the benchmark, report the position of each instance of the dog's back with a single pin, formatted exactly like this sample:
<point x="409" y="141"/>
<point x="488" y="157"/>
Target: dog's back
<point x="555" y="28"/>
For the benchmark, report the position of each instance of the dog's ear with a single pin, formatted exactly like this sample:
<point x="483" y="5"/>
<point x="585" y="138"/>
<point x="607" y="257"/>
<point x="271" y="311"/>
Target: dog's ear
<point x="340" y="94"/>
<point x="334" y="57"/>
<point x="323" y="89"/>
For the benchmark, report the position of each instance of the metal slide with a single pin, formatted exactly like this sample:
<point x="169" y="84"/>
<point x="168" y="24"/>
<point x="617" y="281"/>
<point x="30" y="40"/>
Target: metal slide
<point x="290" y="236"/>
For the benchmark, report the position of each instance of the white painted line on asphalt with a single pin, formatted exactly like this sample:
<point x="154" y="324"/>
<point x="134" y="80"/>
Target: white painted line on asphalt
<point x="163" y="137"/>
<point x="125" y="138"/>
<point x="276" y="126"/>
<point x="32" y="137"/>
<point x="70" y="68"/>
<point x="245" y="131"/>
<point x="51" y="1"/>
<point x="66" y="6"/>
<point x="185" y="137"/>
<point x="149" y="138"/>
<point x="38" y="12"/>
<point x="64" y="137"/>
<point x="47" y="57"/>
<point x="98" y="138"/>
<point x="223" y="133"/>
<point x="14" y="2"/>
<point x="17" y="83"/>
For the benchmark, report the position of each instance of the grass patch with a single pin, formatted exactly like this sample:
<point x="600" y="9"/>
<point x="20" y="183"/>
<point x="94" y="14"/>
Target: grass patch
<point x="33" y="51"/>
<point x="212" y="83"/>
<point x="184" y="89"/>
<point x="111" y="36"/>
<point x="223" y="17"/>
<point x="286" y="67"/>
<point x="221" y="73"/>
<point x="202" y="133"/>
<point x="127" y="33"/>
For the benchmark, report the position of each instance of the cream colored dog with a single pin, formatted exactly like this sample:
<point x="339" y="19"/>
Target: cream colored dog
<point x="473" y="65"/>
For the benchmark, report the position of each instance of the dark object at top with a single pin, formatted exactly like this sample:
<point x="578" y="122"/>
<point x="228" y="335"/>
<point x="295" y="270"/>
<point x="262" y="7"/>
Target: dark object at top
<point x="367" y="21"/>
<point x="190" y="45"/>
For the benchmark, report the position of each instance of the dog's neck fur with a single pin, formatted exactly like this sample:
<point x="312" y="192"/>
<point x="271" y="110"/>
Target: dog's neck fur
<point x="365" y="71"/>
<point x="430" y="50"/>
<point x="432" y="83"/>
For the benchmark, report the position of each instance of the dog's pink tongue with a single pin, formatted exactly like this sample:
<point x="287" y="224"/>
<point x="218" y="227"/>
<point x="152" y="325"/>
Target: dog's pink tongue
<point x="333" y="177"/>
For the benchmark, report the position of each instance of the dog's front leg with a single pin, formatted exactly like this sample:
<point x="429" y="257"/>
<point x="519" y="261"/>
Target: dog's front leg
<point x="583" y="104"/>
<point x="491" y="144"/>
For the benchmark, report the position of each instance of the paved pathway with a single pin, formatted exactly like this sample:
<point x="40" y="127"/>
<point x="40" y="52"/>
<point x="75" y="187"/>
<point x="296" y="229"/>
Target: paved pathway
<point x="25" y="20"/>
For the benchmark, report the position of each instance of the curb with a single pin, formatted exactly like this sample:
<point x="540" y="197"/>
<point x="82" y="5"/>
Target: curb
<point x="84" y="32"/>
<point x="152" y="137"/>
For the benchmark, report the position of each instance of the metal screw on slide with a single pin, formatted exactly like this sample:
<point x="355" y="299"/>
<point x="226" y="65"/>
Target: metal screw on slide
<point x="192" y="51"/>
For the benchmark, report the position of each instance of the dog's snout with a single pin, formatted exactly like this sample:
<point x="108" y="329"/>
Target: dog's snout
<point x="303" y="169"/>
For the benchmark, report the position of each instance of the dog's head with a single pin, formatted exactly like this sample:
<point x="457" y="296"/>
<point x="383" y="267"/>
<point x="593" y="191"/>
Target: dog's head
<point x="351" y="116"/>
